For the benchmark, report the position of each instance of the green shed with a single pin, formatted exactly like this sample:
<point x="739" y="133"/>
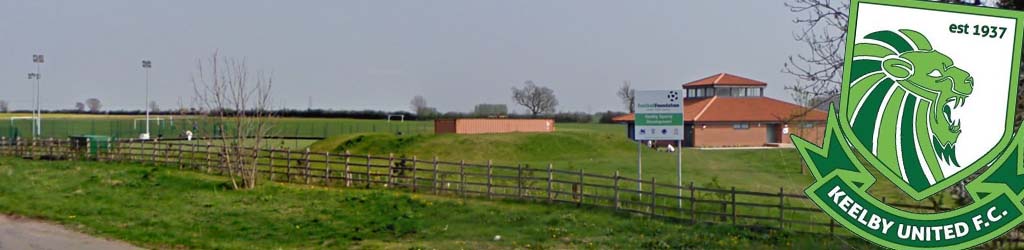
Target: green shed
<point x="92" y="144"/>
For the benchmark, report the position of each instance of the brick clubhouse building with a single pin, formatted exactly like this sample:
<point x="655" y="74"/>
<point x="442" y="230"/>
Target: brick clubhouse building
<point x="725" y="110"/>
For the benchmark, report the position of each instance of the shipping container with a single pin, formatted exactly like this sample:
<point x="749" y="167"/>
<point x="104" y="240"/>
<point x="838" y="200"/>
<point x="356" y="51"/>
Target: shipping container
<point x="491" y="126"/>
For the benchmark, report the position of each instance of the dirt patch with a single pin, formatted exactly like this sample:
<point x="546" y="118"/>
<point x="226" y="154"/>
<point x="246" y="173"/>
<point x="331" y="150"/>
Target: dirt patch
<point x="18" y="233"/>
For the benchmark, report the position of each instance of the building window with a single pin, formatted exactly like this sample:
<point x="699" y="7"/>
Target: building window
<point x="741" y="126"/>
<point x="807" y="125"/>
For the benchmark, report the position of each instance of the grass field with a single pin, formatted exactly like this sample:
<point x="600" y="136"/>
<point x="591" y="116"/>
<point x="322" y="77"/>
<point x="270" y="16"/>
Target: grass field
<point x="126" y="126"/>
<point x="172" y="209"/>
<point x="596" y="148"/>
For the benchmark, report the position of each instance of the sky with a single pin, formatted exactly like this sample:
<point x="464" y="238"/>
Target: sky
<point x="356" y="55"/>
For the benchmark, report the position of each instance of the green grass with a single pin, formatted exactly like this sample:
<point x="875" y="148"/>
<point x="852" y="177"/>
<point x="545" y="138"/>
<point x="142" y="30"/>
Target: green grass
<point x="594" y="152"/>
<point x="157" y="207"/>
<point x="63" y="125"/>
<point x="603" y="149"/>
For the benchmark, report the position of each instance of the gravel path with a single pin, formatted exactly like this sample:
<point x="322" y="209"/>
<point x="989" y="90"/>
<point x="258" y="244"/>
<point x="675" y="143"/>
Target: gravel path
<point x="28" y="234"/>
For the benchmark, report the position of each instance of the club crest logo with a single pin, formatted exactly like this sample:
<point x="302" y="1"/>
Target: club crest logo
<point x="928" y="99"/>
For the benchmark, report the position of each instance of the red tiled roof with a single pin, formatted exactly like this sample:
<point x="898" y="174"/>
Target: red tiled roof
<point x="723" y="79"/>
<point x="739" y="109"/>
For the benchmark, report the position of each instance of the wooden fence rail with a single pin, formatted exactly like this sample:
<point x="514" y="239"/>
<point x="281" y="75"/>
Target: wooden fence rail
<point x="776" y="210"/>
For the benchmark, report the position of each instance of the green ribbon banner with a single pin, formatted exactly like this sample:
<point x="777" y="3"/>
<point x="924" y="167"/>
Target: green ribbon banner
<point x="841" y="184"/>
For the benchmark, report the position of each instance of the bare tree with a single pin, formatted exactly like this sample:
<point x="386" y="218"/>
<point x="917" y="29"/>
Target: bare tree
<point x="628" y="96"/>
<point x="153" y="107"/>
<point x="79" y="107"/>
<point x="419" y="105"/>
<point x="539" y="100"/>
<point x="94" y="105"/>
<point x="819" y="72"/>
<point x="239" y="105"/>
<point x="4" y="106"/>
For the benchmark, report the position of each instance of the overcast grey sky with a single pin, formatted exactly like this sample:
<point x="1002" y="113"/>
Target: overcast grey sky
<point x="379" y="54"/>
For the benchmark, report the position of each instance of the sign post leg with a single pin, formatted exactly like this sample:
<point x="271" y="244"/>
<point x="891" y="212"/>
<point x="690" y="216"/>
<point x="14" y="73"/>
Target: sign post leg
<point x="639" y="170"/>
<point x="679" y="172"/>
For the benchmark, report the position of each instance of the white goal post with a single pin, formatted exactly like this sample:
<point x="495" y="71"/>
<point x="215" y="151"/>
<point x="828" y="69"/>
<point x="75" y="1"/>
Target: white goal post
<point x="35" y="120"/>
<point x="135" y="122"/>
<point x="402" y="117"/>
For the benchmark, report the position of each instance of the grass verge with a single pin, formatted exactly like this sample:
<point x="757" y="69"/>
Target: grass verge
<point x="168" y="208"/>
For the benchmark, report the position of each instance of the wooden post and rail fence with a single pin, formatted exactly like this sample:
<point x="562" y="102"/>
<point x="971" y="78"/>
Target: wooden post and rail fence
<point x="756" y="210"/>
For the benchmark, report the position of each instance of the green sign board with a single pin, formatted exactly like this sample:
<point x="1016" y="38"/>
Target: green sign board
<point x="659" y="115"/>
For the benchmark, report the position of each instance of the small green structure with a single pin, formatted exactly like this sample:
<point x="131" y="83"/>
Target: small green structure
<point x="91" y="144"/>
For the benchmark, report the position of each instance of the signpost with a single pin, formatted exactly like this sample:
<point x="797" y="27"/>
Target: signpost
<point x="659" y="116"/>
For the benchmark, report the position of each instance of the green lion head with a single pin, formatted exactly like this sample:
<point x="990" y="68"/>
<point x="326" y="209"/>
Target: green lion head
<point x="931" y="75"/>
<point x="901" y="101"/>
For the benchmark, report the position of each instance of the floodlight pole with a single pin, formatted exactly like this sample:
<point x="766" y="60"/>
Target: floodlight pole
<point x="146" y="64"/>
<point x="38" y="114"/>
<point x="37" y="128"/>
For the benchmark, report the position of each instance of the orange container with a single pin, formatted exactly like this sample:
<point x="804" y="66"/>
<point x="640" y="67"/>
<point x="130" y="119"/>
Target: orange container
<point x="492" y="126"/>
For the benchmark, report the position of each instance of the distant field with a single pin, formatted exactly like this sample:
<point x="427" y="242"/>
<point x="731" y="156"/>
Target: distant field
<point x="130" y="126"/>
<point x="124" y="126"/>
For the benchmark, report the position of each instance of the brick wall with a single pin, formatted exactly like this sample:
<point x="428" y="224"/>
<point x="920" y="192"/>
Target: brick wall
<point x="444" y="126"/>
<point x="485" y="126"/>
<point x="814" y="134"/>
<point x="724" y="135"/>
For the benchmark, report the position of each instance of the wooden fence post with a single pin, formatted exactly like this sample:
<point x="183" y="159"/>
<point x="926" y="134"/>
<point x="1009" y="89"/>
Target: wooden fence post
<point x="49" y="147"/>
<point x="308" y="166"/>
<point x="88" y="146"/>
<point x="580" y="184"/>
<point x="208" y="155"/>
<point x="192" y="158"/>
<point x="693" y="204"/>
<point x="180" y="154"/>
<point x="831" y="227"/>
<point x="414" y="173"/>
<point x="270" y="163"/>
<point x="462" y="178"/>
<point x="654" y="197"/>
<point x="733" y="205"/>
<point x="153" y="153"/>
<point x="347" y="173"/>
<point x="434" y="180"/>
<point x="615" y="190"/>
<point x="368" y="176"/>
<point x="68" y="153"/>
<point x="110" y="149"/>
<point x="133" y="156"/>
<point x="391" y="171"/>
<point x="327" y="168"/>
<point x="519" y="180"/>
<point x="782" y="207"/>
<point x="550" y="178"/>
<point x="167" y="154"/>
<point x="288" y="165"/>
<point x="490" y="173"/>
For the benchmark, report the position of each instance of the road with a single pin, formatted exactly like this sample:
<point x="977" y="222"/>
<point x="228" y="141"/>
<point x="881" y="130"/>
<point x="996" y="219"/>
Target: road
<point x="28" y="234"/>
